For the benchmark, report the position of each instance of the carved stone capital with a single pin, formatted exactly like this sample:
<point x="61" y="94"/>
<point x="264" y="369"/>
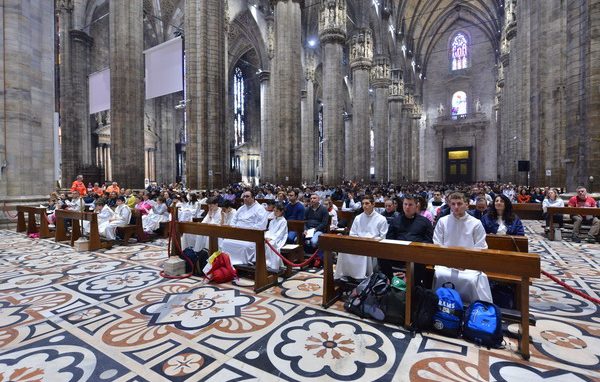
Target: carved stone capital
<point x="361" y="48"/>
<point x="82" y="37"/>
<point x="332" y="21"/>
<point x="264" y="75"/>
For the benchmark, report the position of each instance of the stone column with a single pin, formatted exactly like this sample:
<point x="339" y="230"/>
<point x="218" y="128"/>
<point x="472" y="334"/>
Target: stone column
<point x="397" y="145"/>
<point x="207" y="150"/>
<point x="127" y="92"/>
<point x="308" y="147"/>
<point x="81" y="44"/>
<point x="415" y="126"/>
<point x="332" y="34"/>
<point x="26" y="102"/>
<point x="406" y="137"/>
<point x="348" y="148"/>
<point x="361" y="59"/>
<point x="266" y="157"/>
<point x="286" y="87"/>
<point x="380" y="81"/>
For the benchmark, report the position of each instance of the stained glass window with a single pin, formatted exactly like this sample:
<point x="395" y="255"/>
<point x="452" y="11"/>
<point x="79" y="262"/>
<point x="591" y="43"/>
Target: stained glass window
<point x="459" y="104"/>
<point x="238" y="106"/>
<point x="459" y="52"/>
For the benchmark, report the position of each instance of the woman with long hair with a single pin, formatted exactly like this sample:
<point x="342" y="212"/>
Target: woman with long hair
<point x="501" y="220"/>
<point x="552" y="200"/>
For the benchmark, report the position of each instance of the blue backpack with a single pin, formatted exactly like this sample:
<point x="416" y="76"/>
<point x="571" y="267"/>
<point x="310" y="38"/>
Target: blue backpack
<point x="448" y="317"/>
<point x="483" y="324"/>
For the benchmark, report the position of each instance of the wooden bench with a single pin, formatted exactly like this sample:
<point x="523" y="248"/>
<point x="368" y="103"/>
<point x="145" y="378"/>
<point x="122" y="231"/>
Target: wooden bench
<point x="583" y="211"/>
<point x="522" y="265"/>
<point x="348" y="216"/>
<point x="95" y="242"/>
<point x="528" y="211"/>
<point x="136" y="229"/>
<point x="32" y="226"/>
<point x="294" y="252"/>
<point x="263" y="279"/>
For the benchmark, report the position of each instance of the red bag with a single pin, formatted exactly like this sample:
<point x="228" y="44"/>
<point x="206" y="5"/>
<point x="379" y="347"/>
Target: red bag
<point x="222" y="271"/>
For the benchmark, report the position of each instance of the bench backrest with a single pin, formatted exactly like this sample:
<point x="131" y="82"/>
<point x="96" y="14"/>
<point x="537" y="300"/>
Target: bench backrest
<point x="508" y="243"/>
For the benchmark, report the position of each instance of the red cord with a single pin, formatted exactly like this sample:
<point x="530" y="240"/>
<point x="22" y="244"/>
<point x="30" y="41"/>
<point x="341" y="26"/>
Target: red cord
<point x="287" y="262"/>
<point x="172" y="235"/>
<point x="571" y="289"/>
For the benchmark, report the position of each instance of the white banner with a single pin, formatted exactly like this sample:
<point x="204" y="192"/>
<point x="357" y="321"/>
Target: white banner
<point x="99" y="91"/>
<point x="164" y="68"/>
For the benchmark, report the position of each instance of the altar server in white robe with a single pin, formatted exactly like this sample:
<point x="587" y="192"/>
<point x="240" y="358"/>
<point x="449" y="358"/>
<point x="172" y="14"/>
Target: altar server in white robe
<point x="120" y="218"/>
<point x="213" y="216"/>
<point x="227" y="212"/>
<point x="186" y="213"/>
<point x="250" y="215"/>
<point x="369" y="224"/>
<point x="276" y="235"/>
<point x="104" y="214"/>
<point x="159" y="213"/>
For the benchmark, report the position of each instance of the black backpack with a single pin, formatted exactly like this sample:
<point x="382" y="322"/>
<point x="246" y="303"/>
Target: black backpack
<point x="424" y="306"/>
<point x="393" y="304"/>
<point x="364" y="301"/>
<point x="198" y="259"/>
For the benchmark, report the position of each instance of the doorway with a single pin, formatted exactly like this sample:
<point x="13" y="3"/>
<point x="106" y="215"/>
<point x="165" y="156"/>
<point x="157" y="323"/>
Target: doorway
<point x="459" y="165"/>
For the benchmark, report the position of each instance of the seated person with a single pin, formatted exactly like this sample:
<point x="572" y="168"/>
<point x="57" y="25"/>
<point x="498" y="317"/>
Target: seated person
<point x="369" y="224"/>
<point x="435" y="203"/>
<point x="105" y="213"/>
<point x="317" y="218"/>
<point x="389" y="212"/>
<point x="269" y="206"/>
<point x="213" y="216"/>
<point x="121" y="217"/>
<point x="276" y="235"/>
<point x="523" y="196"/>
<point x="583" y="200"/>
<point x="158" y="213"/>
<point x="76" y="203"/>
<point x="227" y="212"/>
<point x="462" y="230"/>
<point x="328" y="204"/>
<point x="480" y="208"/>
<point x="294" y="210"/>
<point x="350" y="204"/>
<point x="250" y="215"/>
<point x="552" y="200"/>
<point x="409" y="226"/>
<point x="500" y="220"/>
<point x="423" y="208"/>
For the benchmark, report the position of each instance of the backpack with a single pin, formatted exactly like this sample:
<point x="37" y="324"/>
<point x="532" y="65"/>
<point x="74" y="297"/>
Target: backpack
<point x="198" y="259"/>
<point x="393" y="304"/>
<point x="448" y="317"/>
<point x="424" y="305"/>
<point x="221" y="271"/>
<point x="483" y="324"/>
<point x="364" y="300"/>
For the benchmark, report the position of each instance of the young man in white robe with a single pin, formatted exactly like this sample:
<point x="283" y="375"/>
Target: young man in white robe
<point x="120" y="218"/>
<point x="104" y="214"/>
<point x="369" y="224"/>
<point x="276" y="235"/>
<point x="159" y="213"/>
<point x="213" y="216"/>
<point x="250" y="215"/>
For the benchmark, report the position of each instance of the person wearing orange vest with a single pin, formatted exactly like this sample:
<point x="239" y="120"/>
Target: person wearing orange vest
<point x="114" y="187"/>
<point x="79" y="186"/>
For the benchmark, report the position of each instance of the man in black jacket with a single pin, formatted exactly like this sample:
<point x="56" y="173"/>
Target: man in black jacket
<point x="317" y="220"/>
<point x="409" y="226"/>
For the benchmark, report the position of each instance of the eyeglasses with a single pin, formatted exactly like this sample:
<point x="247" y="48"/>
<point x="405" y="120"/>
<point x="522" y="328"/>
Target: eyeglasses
<point x="245" y="196"/>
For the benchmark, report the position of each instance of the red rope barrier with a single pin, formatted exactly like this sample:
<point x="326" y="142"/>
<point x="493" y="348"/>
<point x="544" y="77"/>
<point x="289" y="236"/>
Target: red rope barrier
<point x="571" y="289"/>
<point x="291" y="264"/>
<point x="173" y="236"/>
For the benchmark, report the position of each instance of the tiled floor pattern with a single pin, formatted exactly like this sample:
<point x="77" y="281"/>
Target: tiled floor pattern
<point x="110" y="316"/>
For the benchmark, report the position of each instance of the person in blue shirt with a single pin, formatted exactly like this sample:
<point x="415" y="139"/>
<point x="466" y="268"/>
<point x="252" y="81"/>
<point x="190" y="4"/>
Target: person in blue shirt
<point x="294" y="210"/>
<point x="500" y="219"/>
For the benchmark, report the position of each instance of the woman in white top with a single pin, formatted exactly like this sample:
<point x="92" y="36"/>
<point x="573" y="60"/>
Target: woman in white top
<point x="276" y="235"/>
<point x="213" y="216"/>
<point x="552" y="200"/>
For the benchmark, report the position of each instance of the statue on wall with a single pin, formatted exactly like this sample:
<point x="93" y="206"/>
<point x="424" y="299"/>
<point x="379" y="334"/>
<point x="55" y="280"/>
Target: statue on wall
<point x="441" y="109"/>
<point x="477" y="105"/>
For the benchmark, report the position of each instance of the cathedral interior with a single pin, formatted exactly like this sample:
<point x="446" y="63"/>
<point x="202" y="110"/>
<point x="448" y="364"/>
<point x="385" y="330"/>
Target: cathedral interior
<point x="286" y="92"/>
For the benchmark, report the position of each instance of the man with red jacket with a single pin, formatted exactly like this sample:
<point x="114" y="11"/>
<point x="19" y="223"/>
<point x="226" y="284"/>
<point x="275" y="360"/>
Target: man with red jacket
<point x="583" y="200"/>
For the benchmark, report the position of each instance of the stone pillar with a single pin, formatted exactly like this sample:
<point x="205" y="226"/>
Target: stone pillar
<point x="348" y="148"/>
<point x="266" y="158"/>
<point x="308" y="146"/>
<point x="380" y="81"/>
<point x="127" y="92"/>
<point x="397" y="145"/>
<point x="332" y="34"/>
<point x="361" y="59"/>
<point x="207" y="150"/>
<point x="168" y="127"/>
<point x="406" y="137"/>
<point x="74" y="109"/>
<point x="26" y="103"/>
<point x="286" y="87"/>
<point x="415" y="126"/>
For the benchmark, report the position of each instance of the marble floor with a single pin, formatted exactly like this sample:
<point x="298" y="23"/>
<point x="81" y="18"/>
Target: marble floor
<point x="110" y="316"/>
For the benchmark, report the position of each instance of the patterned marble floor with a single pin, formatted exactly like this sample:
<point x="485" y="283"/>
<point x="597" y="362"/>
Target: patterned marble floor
<point x="110" y="316"/>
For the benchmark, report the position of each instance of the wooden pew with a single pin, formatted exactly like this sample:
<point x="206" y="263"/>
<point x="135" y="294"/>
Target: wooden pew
<point x="528" y="211"/>
<point x="95" y="242"/>
<point x="262" y="279"/>
<point x="519" y="264"/>
<point x="32" y="226"/>
<point x="294" y="252"/>
<point x="349" y="217"/>
<point x="583" y="211"/>
<point x="136" y="229"/>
